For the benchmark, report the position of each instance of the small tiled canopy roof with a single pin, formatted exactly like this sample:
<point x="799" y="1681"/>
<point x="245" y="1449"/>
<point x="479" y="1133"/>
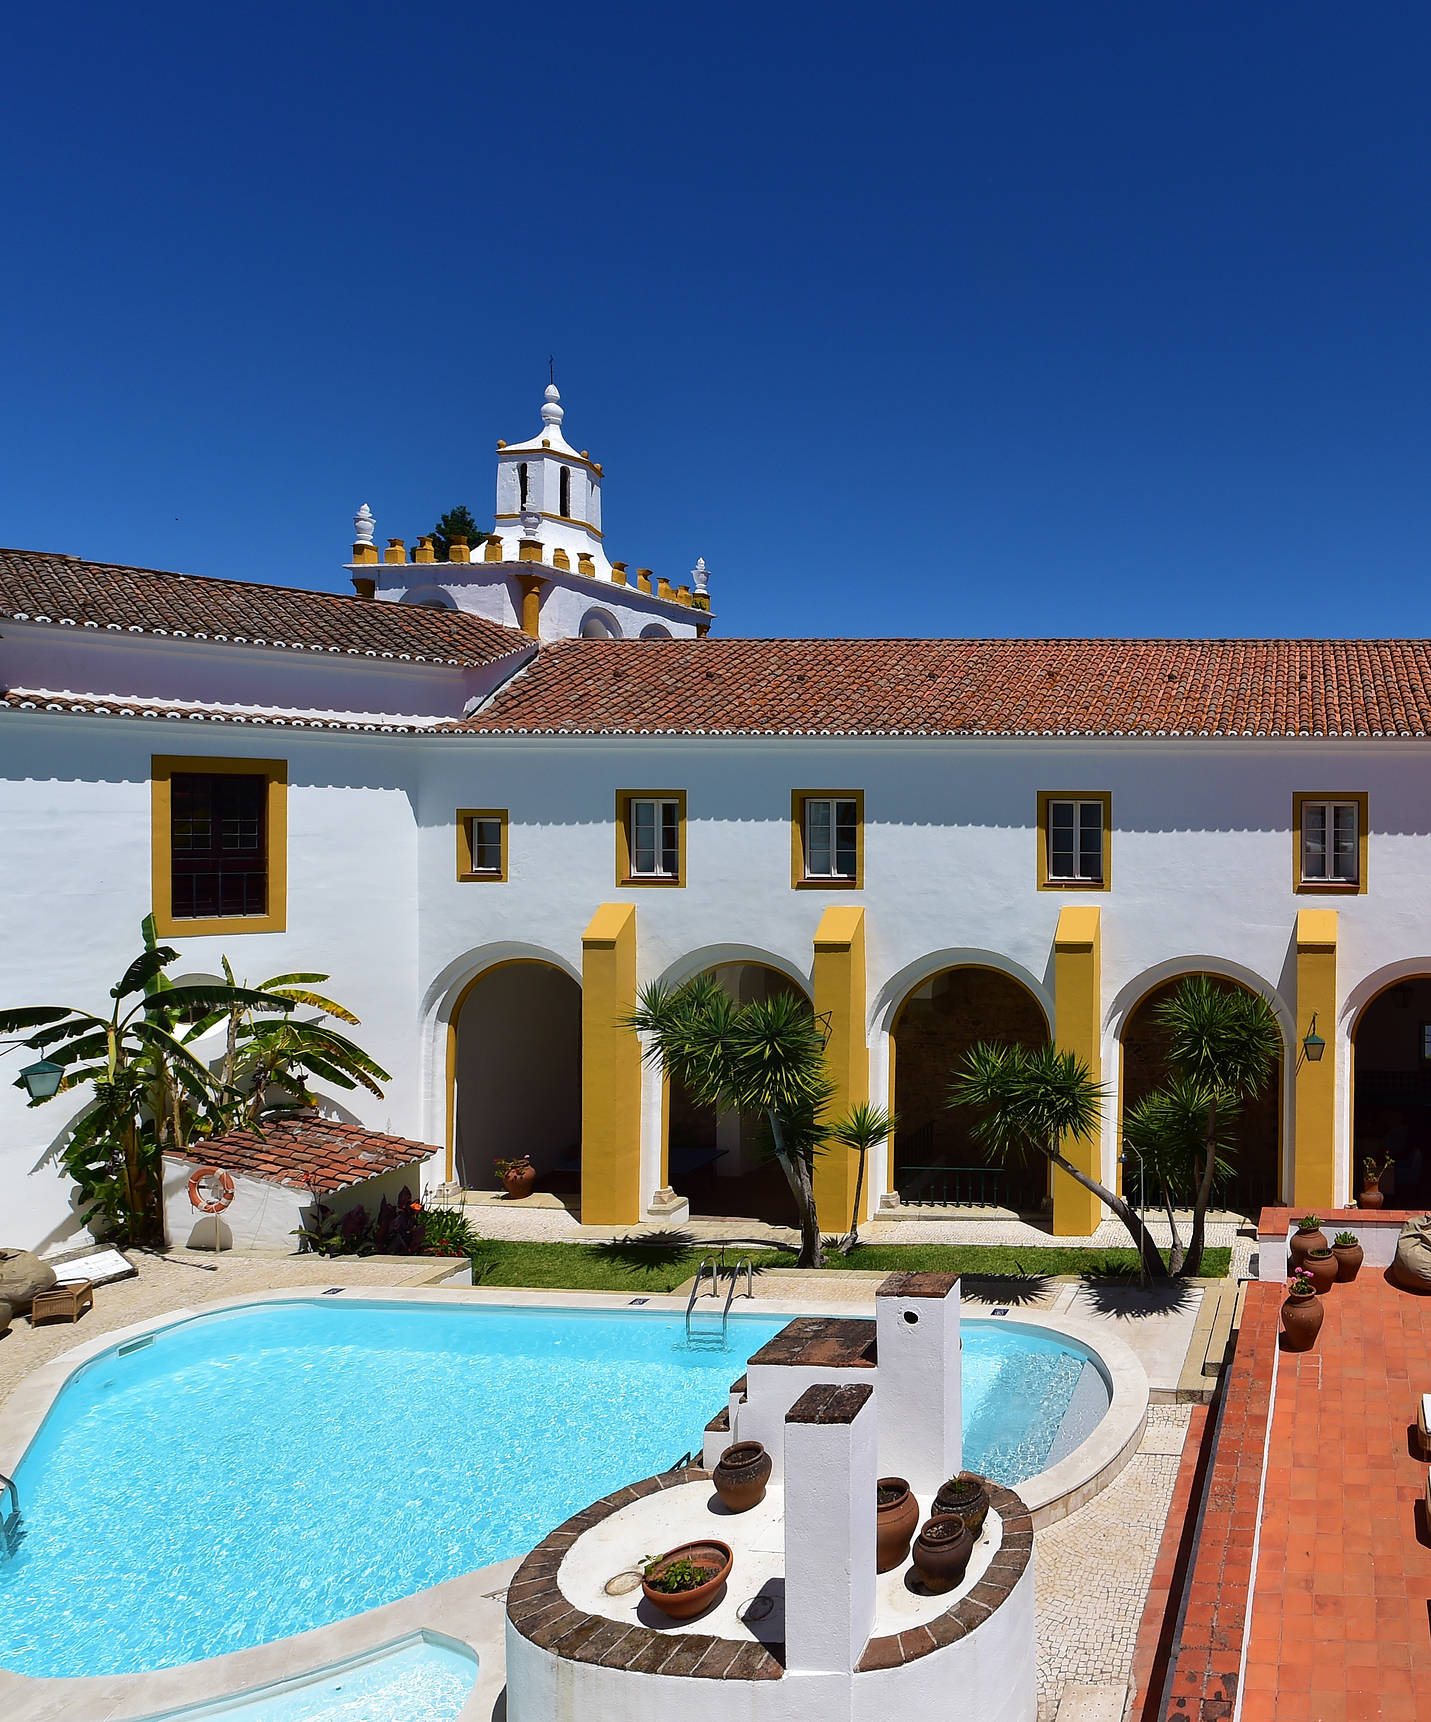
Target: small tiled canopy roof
<point x="969" y="688"/>
<point x="309" y="1153"/>
<point x="36" y="587"/>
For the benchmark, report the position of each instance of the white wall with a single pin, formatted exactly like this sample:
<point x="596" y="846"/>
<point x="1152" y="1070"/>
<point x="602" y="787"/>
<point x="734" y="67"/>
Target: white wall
<point x="492" y="589"/>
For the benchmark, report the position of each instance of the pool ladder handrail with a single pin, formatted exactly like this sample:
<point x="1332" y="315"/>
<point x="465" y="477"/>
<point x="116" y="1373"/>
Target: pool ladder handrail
<point x="9" y="1522"/>
<point x="707" y="1262"/>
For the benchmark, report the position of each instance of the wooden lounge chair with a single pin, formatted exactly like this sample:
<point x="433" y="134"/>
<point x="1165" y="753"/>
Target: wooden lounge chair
<point x="71" y="1300"/>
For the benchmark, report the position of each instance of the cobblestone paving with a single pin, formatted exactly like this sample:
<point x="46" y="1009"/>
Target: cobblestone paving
<point x="1092" y="1569"/>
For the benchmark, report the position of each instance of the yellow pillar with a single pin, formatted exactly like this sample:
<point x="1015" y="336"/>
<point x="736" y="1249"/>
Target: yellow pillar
<point x="610" y="1071"/>
<point x="1078" y="1013"/>
<point x="1314" y="1142"/>
<point x="531" y="604"/>
<point x="840" y="997"/>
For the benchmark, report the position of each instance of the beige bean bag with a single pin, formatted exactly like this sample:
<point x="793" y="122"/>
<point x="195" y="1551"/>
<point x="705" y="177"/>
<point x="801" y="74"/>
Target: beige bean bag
<point x="22" y="1274"/>
<point x="1412" y="1267"/>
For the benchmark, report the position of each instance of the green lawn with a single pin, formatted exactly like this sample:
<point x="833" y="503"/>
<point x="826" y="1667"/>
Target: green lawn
<point x="629" y="1267"/>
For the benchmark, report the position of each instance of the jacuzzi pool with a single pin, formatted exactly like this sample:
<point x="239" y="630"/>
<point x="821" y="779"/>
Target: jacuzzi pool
<point x="250" y="1474"/>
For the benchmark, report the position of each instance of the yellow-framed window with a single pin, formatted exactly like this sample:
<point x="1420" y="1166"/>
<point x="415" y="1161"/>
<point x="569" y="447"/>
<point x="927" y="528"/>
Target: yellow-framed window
<point x="1329" y="842"/>
<point x="1075" y="840"/>
<point x="482" y="845"/>
<point x="218" y="845"/>
<point x="827" y="839"/>
<point x="651" y="837"/>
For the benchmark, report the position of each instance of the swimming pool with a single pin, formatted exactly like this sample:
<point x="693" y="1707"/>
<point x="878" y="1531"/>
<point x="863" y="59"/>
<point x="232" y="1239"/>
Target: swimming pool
<point x="250" y="1474"/>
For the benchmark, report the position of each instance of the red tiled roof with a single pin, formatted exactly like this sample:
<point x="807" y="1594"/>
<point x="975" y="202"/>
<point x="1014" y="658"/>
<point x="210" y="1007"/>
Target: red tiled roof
<point x="308" y="1154"/>
<point x="38" y="587"/>
<point x="969" y="687"/>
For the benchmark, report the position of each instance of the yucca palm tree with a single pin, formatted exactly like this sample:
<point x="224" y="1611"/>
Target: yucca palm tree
<point x="1166" y="1133"/>
<point x="859" y="1130"/>
<point x="1033" y="1099"/>
<point x="1223" y="1044"/>
<point x="767" y="1056"/>
<point x="148" y="1086"/>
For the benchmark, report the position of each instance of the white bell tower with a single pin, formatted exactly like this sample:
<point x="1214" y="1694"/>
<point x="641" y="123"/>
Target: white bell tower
<point x="549" y="493"/>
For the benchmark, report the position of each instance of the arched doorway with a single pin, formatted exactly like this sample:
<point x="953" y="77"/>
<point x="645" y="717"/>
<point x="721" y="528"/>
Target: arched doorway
<point x="936" y="1159"/>
<point x="1256" y="1159"/>
<point x="517" y="1073"/>
<point x="1391" y="1092"/>
<point x="723" y="1165"/>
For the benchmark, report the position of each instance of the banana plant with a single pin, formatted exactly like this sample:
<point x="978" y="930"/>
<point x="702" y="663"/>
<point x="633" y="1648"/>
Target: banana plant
<point x="147" y="1085"/>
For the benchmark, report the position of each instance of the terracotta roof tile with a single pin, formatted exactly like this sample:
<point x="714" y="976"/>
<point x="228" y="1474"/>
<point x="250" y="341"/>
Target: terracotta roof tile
<point x="968" y="688"/>
<point x="36" y="587"/>
<point x="308" y="1153"/>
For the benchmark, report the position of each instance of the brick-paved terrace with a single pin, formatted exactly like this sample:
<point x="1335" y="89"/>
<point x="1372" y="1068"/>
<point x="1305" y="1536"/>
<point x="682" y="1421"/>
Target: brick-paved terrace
<point x="1337" y="1554"/>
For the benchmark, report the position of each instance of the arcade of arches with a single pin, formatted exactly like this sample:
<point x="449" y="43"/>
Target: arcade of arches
<point x="934" y="1028"/>
<point x="1256" y="1155"/>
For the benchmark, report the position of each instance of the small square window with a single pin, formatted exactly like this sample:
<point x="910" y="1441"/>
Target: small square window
<point x="481" y="843"/>
<point x="1426" y="1043"/>
<point x="1330" y="836"/>
<point x="827" y="839"/>
<point x="651" y="837"/>
<point x="1074" y="832"/>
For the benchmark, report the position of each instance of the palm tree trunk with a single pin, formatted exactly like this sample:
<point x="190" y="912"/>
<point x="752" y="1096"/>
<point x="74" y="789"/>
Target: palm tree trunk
<point x="1175" y="1244"/>
<point x="797" y="1175"/>
<point x="1157" y="1268"/>
<point x="854" y="1236"/>
<point x="1192" y="1265"/>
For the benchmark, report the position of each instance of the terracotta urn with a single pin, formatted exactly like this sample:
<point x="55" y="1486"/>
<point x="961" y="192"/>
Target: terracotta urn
<point x="1302" y="1320"/>
<point x="520" y="1181"/>
<point x="1349" y="1260"/>
<point x="966" y="1496"/>
<point x="941" y="1552"/>
<point x="896" y="1519"/>
<point x="1303" y="1243"/>
<point x="741" y="1474"/>
<point x="683" y="1604"/>
<point x="1371" y="1197"/>
<point x="1321" y="1267"/>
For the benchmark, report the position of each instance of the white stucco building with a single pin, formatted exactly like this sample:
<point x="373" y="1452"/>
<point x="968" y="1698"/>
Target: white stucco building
<point x="490" y="836"/>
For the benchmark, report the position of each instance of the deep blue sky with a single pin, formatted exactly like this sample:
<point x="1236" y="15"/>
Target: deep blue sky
<point x="1000" y="319"/>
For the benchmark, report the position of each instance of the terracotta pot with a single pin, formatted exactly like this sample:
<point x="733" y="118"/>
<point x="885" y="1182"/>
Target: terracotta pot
<point x="741" y="1474"/>
<point x="1322" y="1265"/>
<point x="519" y="1181"/>
<point x="683" y="1604"/>
<point x="1303" y="1243"/>
<point x="1302" y="1321"/>
<point x="1349" y="1260"/>
<point x="966" y="1496"/>
<point x="895" y="1523"/>
<point x="1370" y="1197"/>
<point x="942" y="1550"/>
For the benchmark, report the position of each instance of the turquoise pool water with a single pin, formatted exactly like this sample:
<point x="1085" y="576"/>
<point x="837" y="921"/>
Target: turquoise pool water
<point x="260" y="1471"/>
<point x="420" y="1682"/>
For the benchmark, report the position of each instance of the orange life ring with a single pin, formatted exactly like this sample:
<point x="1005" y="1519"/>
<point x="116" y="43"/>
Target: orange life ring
<point x="226" y="1190"/>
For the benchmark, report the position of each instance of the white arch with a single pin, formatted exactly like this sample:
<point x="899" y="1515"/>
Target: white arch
<point x="436" y="1015"/>
<point x="429" y="598"/>
<point x="1132" y="994"/>
<point x="1365" y="992"/>
<point x="713" y="956"/>
<point x="599" y="624"/>
<point x="901" y="984"/>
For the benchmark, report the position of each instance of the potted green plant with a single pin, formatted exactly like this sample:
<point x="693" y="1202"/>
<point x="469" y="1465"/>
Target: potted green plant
<point x="1349" y="1255"/>
<point x="1320" y="1266"/>
<point x="517" y="1175"/>
<point x="1301" y="1314"/>
<point x="1309" y="1236"/>
<point x="1371" y="1196"/>
<point x="684" y="1581"/>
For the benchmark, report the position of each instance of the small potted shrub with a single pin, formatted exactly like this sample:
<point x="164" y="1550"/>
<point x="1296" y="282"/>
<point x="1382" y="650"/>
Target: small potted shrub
<point x="1301" y="1314"/>
<point x="1349" y="1255"/>
<point x="1309" y="1236"/>
<point x="1371" y="1196"/>
<point x="966" y="1496"/>
<point x="685" y="1581"/>
<point x="520" y="1175"/>
<point x="1320" y="1266"/>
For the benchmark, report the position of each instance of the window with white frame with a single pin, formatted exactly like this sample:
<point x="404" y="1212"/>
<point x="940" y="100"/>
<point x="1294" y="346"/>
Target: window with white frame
<point x="831" y="832"/>
<point x="1330" y="846"/>
<point x="486" y="844"/>
<point x="1075" y="841"/>
<point x="655" y="839"/>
